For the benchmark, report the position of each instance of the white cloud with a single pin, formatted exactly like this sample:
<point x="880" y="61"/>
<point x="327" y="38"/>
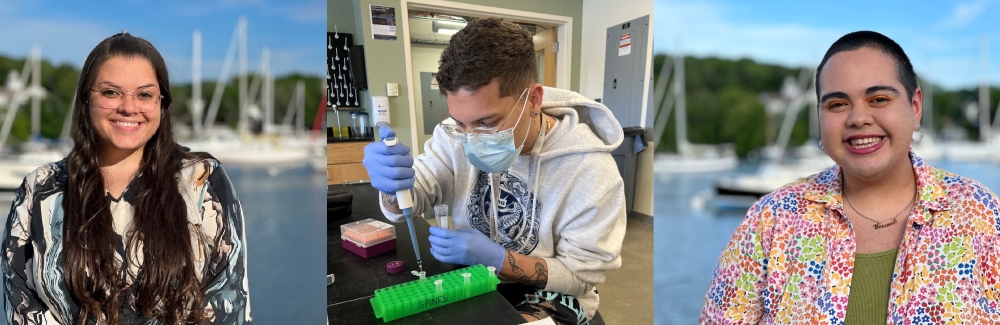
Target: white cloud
<point x="297" y="11"/>
<point x="964" y="14"/>
<point x="283" y="61"/>
<point x="61" y="40"/>
<point x="953" y="72"/>
<point x="703" y="30"/>
<point x="313" y="12"/>
<point x="715" y="28"/>
<point x="203" y="8"/>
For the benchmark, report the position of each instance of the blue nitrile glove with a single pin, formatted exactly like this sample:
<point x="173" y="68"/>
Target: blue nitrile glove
<point x="390" y="168"/>
<point x="466" y="246"/>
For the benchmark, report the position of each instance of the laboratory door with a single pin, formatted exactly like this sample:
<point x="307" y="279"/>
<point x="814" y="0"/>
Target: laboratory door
<point x="435" y="106"/>
<point x="545" y="54"/>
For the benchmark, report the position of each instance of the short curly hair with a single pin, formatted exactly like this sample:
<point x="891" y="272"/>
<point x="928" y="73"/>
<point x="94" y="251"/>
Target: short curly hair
<point x="877" y="41"/>
<point x="487" y="49"/>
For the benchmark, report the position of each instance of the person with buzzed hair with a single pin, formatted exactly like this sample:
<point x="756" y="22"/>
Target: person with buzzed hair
<point x="527" y="170"/>
<point x="879" y="238"/>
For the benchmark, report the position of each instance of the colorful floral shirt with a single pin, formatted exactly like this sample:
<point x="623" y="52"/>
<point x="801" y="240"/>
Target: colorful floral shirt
<point x="32" y="246"/>
<point x="791" y="260"/>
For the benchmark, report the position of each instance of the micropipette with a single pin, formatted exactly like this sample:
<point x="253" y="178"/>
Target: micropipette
<point x="405" y="200"/>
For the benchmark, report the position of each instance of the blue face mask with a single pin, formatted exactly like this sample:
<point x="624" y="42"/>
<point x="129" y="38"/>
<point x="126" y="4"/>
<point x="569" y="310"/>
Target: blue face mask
<point x="493" y="156"/>
<point x="494" y="153"/>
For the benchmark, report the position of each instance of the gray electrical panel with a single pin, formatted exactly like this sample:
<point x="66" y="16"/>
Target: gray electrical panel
<point x="435" y="106"/>
<point x="625" y="70"/>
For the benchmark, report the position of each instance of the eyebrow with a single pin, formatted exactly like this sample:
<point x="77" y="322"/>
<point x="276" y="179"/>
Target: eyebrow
<point x="119" y="86"/>
<point x="836" y="94"/>
<point x="488" y="117"/>
<point x="868" y="92"/>
<point x="875" y="89"/>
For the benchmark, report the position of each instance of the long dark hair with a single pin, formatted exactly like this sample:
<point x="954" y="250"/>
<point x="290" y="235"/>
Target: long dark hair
<point x="167" y="287"/>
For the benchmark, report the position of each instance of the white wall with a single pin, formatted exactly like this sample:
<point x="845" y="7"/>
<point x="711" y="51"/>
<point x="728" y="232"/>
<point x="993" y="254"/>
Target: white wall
<point x="598" y="15"/>
<point x="425" y="59"/>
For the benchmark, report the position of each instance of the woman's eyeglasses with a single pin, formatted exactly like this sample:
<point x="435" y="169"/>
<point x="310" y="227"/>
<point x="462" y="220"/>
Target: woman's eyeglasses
<point x="146" y="99"/>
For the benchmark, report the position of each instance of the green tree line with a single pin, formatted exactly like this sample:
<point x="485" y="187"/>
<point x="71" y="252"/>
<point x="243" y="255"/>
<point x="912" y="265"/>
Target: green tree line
<point x="60" y="82"/>
<point x="723" y="105"/>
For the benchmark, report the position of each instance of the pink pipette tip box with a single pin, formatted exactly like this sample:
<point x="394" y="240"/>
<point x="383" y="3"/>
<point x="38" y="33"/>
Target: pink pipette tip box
<point x="368" y="237"/>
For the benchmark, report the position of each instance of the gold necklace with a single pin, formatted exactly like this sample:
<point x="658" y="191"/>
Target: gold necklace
<point x="880" y="224"/>
<point x="541" y="131"/>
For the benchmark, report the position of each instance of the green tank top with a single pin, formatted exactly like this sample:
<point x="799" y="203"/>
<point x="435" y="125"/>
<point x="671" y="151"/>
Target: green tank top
<point x="868" y="301"/>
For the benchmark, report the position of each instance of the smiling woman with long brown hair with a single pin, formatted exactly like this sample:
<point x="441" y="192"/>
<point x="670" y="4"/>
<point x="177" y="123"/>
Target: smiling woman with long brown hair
<point x="130" y="227"/>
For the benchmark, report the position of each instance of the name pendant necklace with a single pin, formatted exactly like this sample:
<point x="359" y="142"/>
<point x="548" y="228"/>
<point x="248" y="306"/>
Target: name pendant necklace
<point x="884" y="223"/>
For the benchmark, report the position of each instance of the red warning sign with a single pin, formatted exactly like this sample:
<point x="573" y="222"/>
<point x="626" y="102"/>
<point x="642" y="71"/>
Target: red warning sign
<point x="625" y="45"/>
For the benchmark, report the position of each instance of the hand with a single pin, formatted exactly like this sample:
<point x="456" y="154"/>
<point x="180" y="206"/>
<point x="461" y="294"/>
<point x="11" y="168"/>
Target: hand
<point x="466" y="246"/>
<point x="390" y="168"/>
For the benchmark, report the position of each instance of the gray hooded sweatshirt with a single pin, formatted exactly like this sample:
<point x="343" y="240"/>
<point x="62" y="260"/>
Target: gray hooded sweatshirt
<point x="565" y="202"/>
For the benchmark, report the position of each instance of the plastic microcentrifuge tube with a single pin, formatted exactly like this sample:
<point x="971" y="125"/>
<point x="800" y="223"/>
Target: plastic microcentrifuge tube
<point x="466" y="276"/>
<point x="417" y="296"/>
<point x="420" y="274"/>
<point x="493" y="271"/>
<point x="437" y="285"/>
<point x="441" y="216"/>
<point x="329" y="279"/>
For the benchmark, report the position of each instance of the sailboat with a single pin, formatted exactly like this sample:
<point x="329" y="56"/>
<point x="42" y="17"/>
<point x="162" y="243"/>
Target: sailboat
<point x="33" y="153"/>
<point x="239" y="147"/>
<point x="690" y="158"/>
<point x="987" y="149"/>
<point x="781" y="164"/>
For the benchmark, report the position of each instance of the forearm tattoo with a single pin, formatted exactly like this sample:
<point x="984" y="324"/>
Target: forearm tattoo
<point x="536" y="280"/>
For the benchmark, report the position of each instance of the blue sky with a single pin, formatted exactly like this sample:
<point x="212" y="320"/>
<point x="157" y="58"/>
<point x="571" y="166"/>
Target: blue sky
<point x="942" y="38"/>
<point x="67" y="31"/>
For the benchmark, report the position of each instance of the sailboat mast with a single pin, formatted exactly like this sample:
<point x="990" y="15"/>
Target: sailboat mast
<point x="64" y="136"/>
<point x="35" y="91"/>
<point x="220" y="82"/>
<point x="267" y="93"/>
<point x="984" y="91"/>
<point x="197" y="104"/>
<point x="663" y="98"/>
<point x="244" y="114"/>
<point x="813" y="108"/>
<point x="300" y="92"/>
<point x="681" y="109"/>
<point x="927" y="124"/>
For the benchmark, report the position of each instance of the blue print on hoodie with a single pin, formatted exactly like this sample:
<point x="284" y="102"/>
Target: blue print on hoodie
<point x="518" y="229"/>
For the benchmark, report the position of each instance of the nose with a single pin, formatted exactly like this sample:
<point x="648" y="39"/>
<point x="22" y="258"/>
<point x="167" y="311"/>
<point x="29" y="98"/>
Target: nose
<point x="129" y="104"/>
<point x="860" y="115"/>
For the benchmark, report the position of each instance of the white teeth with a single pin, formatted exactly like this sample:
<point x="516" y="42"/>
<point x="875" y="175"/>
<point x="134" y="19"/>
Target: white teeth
<point x="862" y="143"/>
<point x="126" y="124"/>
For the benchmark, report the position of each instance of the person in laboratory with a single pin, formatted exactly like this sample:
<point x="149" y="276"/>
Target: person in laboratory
<point x="879" y="238"/>
<point x="130" y="228"/>
<point x="526" y="169"/>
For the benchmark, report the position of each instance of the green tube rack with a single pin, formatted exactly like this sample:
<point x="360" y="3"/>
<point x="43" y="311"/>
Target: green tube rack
<point x="401" y="300"/>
